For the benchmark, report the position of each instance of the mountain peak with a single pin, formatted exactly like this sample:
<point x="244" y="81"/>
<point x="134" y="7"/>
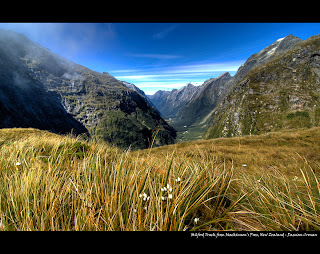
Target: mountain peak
<point x="286" y="38"/>
<point x="270" y="52"/>
<point x="290" y="36"/>
<point x="224" y="75"/>
<point x="279" y="46"/>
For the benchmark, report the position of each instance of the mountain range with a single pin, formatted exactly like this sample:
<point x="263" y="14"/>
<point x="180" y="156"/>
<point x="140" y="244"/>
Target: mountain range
<point x="43" y="90"/>
<point x="209" y="113"/>
<point x="276" y="88"/>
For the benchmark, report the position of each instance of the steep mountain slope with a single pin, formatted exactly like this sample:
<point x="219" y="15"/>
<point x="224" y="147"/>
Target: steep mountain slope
<point x="169" y="103"/>
<point x="201" y="105"/>
<point x="269" y="53"/>
<point x="108" y="109"/>
<point x="282" y="93"/>
<point x="189" y="108"/>
<point x="24" y="101"/>
<point x="140" y="92"/>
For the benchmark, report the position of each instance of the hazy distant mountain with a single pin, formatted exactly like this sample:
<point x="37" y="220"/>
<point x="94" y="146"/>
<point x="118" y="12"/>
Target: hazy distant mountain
<point x="284" y="92"/>
<point x="169" y="103"/>
<point x="202" y="104"/>
<point x="106" y="107"/>
<point x="191" y="105"/>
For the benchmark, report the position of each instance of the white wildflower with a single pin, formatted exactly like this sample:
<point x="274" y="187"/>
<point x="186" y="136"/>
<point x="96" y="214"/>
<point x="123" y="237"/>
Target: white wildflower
<point x="144" y="196"/>
<point x="244" y="165"/>
<point x="178" y="179"/>
<point x="18" y="163"/>
<point x="169" y="188"/>
<point x="258" y="180"/>
<point x="163" y="198"/>
<point x="196" y="220"/>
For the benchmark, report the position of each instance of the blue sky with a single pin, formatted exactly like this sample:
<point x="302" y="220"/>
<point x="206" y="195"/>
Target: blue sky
<point x="160" y="56"/>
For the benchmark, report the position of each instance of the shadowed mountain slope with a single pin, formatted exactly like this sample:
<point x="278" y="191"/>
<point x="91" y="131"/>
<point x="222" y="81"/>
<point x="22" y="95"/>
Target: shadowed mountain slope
<point x="106" y="107"/>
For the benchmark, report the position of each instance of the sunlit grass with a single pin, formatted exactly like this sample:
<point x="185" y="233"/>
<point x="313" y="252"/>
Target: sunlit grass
<point x="52" y="182"/>
<point x="279" y="202"/>
<point x="63" y="183"/>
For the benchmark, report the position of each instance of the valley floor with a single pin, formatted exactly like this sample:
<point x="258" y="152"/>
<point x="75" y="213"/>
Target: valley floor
<point x="267" y="182"/>
<point x="191" y="133"/>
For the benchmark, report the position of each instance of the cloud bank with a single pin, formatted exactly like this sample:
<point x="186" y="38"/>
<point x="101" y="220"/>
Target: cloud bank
<point x="167" y="78"/>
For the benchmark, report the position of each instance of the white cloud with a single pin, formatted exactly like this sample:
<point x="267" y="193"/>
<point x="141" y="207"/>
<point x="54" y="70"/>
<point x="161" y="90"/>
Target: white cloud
<point x="151" y="88"/>
<point x="156" y="56"/>
<point x="168" y="78"/>
<point x="178" y="72"/>
<point x="161" y="85"/>
<point x="125" y="71"/>
<point x="155" y="77"/>
<point x="207" y="67"/>
<point x="165" y="32"/>
<point x="136" y="77"/>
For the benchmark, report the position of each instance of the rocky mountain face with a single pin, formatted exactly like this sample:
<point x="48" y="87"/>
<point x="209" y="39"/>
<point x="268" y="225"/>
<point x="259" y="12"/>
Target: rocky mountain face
<point x="24" y="102"/>
<point x="269" y="53"/>
<point x="170" y="103"/>
<point x="140" y="92"/>
<point x="283" y="92"/>
<point x="106" y="107"/>
<point x="190" y="105"/>
<point x="188" y="109"/>
<point x="196" y="110"/>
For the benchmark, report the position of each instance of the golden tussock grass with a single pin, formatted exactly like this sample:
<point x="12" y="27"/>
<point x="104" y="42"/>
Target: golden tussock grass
<point x="52" y="182"/>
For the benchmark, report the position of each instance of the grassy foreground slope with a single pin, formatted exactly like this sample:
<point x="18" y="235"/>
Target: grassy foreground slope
<point x="284" y="150"/>
<point x="267" y="182"/>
